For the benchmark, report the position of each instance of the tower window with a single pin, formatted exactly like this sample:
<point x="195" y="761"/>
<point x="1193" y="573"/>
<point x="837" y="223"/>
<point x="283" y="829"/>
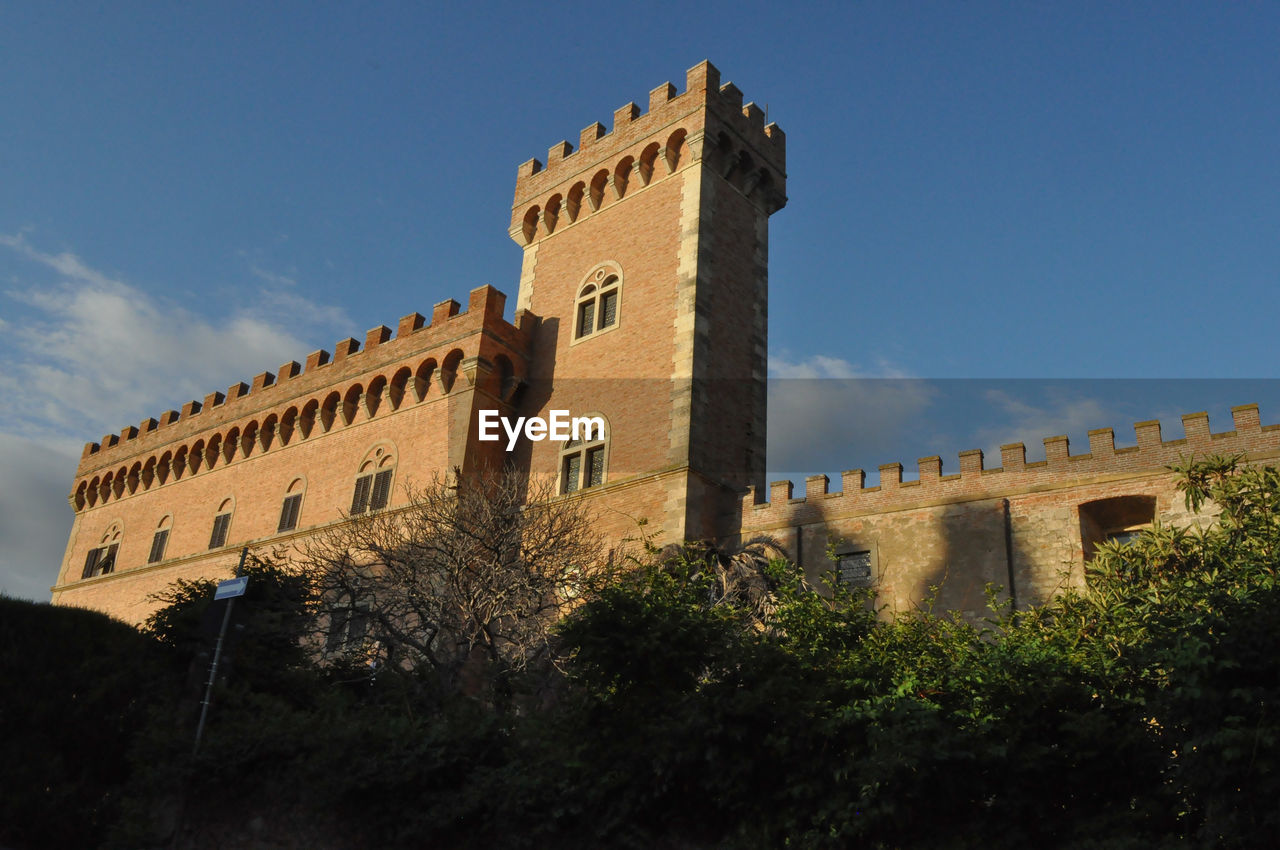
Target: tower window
<point x="102" y="559"/>
<point x="587" y="315"/>
<point x="158" y="544"/>
<point x="608" y="308"/>
<point x="582" y="463"/>
<point x="572" y="471"/>
<point x="373" y="491"/>
<point x="289" y="512"/>
<point x="291" y="508"/>
<point x="221" y="524"/>
<point x="159" y="541"/>
<point x="596" y="308"/>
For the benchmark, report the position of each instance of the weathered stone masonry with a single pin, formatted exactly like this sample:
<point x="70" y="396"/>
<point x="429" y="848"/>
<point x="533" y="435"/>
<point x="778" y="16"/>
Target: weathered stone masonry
<point x="1026" y="527"/>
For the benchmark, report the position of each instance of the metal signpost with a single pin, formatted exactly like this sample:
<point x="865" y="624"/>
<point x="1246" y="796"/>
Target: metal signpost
<point x="228" y="590"/>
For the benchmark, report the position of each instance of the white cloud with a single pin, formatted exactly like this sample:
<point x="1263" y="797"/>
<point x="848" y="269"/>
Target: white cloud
<point x="93" y="354"/>
<point x="34" y="515"/>
<point x="822" y="409"/>
<point x="1063" y="412"/>
<point x="304" y="311"/>
<point x="271" y="277"/>
<point x="102" y="354"/>
<point x="66" y="264"/>
<point x="822" y="366"/>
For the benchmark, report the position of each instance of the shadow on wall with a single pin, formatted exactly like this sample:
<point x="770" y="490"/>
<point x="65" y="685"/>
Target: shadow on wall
<point x="941" y="556"/>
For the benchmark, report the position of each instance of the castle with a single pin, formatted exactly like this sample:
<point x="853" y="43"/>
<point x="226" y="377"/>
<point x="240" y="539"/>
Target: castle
<point x="642" y="301"/>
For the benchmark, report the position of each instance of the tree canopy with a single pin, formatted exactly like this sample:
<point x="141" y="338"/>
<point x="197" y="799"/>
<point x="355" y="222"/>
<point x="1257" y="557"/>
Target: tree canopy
<point x="713" y="698"/>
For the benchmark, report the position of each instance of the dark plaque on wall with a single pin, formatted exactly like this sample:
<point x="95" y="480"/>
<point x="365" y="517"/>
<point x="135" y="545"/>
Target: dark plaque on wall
<point x="854" y="569"/>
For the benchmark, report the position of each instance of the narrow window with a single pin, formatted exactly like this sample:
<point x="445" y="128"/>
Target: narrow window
<point x="218" y="538"/>
<point x="360" y="501"/>
<point x="572" y="471"/>
<point x="583" y="463"/>
<point x="373" y="482"/>
<point x="160" y="540"/>
<point x="381" y="494"/>
<point x="608" y="308"/>
<point x="157" y="546"/>
<point x="596" y="307"/>
<point x="595" y="467"/>
<point x="107" y="563"/>
<point x="347" y="628"/>
<point x="289" y="512"/>
<point x="91" y="563"/>
<point x="102" y="560"/>
<point x="586" y="318"/>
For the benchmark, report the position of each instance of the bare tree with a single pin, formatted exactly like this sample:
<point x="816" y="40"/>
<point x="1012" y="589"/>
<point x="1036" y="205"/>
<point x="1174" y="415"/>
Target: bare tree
<point x="464" y="584"/>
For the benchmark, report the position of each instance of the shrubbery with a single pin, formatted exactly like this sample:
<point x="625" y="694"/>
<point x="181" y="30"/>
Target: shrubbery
<point x="716" y="700"/>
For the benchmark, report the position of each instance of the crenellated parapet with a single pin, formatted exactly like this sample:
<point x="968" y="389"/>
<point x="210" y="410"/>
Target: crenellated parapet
<point x="330" y="389"/>
<point x="706" y="123"/>
<point x="1060" y="468"/>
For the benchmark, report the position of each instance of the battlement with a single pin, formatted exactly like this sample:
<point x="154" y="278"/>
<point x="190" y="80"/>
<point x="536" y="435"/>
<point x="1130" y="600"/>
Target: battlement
<point x="413" y="333"/>
<point x="1060" y="468"/>
<point x="673" y="132"/>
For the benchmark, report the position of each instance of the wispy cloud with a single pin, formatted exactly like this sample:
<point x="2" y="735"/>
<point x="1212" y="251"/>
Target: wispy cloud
<point x="92" y="354"/>
<point x="271" y="277"/>
<point x="98" y="352"/>
<point x="823" y="409"/>
<point x="824" y="366"/>
<point x="66" y="264"/>
<point x="1024" y="421"/>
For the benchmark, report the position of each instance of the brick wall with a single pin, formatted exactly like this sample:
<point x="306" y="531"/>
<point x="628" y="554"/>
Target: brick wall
<point x="1018" y="525"/>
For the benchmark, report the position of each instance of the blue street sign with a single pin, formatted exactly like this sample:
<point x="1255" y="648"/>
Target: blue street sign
<point x="231" y="587"/>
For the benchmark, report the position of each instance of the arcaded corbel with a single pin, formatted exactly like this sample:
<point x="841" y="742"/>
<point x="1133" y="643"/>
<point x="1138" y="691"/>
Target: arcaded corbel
<point x="475" y="369"/>
<point x="509" y="388"/>
<point x="696" y="142"/>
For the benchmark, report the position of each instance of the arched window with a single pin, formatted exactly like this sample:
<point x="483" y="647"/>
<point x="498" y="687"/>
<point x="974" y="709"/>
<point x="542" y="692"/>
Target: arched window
<point x="1118" y="518"/>
<point x="292" y="506"/>
<point x="596" y="309"/>
<point x="102" y="559"/>
<point x="373" y="483"/>
<point x="348" y="623"/>
<point x="221" y="525"/>
<point x="584" y="458"/>
<point x="160" y="540"/>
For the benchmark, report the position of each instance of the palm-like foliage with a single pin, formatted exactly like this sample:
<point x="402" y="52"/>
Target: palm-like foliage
<point x="742" y="575"/>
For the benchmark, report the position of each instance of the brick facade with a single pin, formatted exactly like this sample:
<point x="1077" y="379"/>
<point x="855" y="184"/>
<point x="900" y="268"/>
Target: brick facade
<point x="669" y="210"/>
<point x="1023" y="526"/>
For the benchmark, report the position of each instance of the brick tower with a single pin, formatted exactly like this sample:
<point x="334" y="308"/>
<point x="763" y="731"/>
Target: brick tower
<point x="642" y="300"/>
<point x="646" y="254"/>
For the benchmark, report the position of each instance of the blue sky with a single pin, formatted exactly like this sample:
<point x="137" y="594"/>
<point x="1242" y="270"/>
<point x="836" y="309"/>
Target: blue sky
<point x="191" y="195"/>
